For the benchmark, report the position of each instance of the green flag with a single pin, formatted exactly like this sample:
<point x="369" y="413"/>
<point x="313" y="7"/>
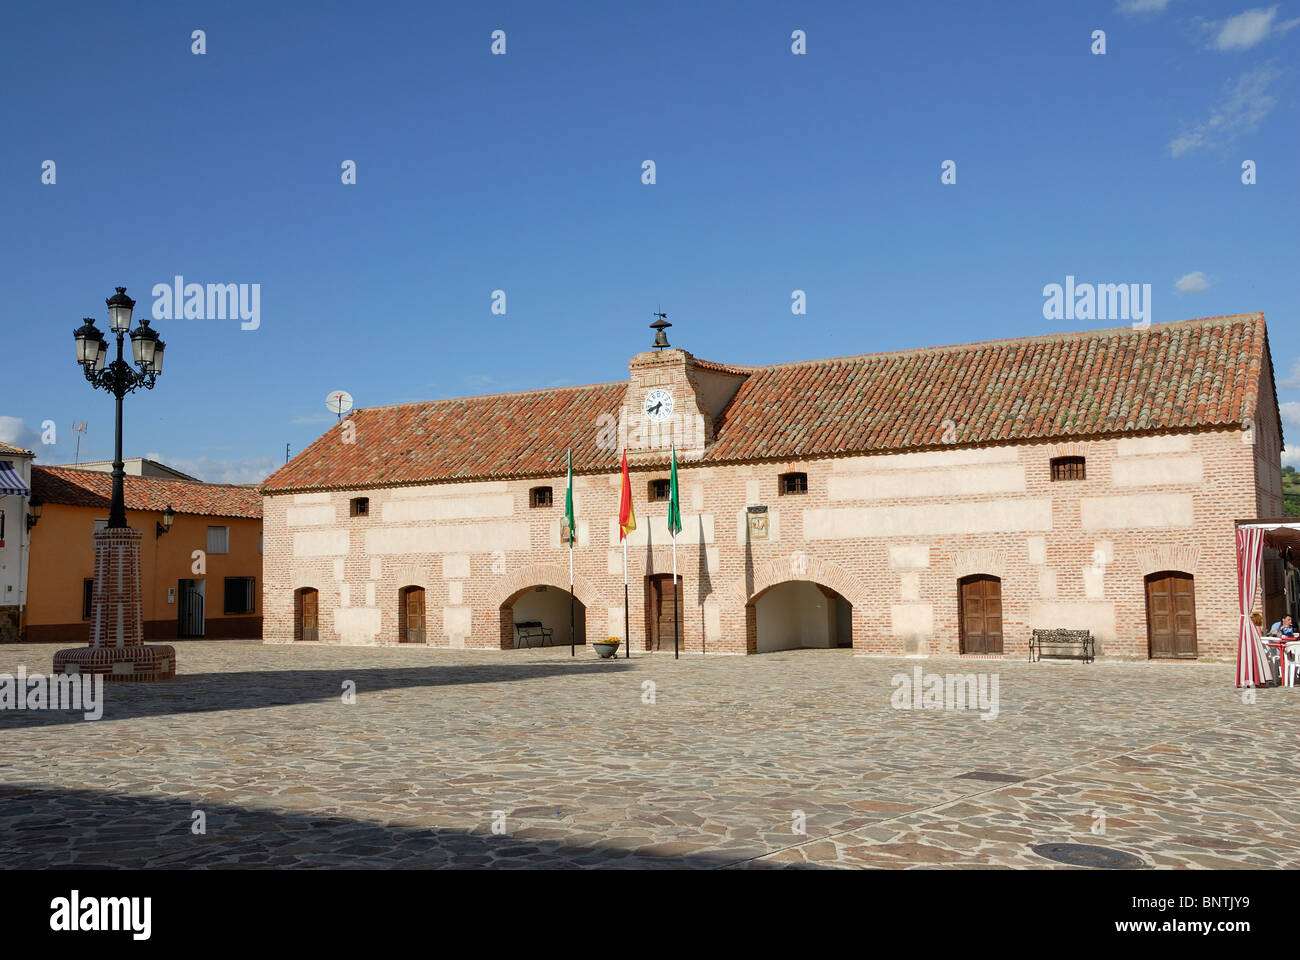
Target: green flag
<point x="568" y="504"/>
<point x="674" y="504"/>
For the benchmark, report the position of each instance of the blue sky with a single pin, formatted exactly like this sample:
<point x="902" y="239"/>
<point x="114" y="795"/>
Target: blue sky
<point x="775" y="172"/>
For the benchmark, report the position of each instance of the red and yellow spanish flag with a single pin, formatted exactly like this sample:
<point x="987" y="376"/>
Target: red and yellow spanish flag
<point x="626" y="515"/>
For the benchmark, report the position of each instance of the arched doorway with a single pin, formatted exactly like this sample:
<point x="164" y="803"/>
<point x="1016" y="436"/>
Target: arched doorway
<point x="306" y="615"/>
<point x="538" y="616"/>
<point x="979" y="613"/>
<point x="798" y="614"/>
<point x="1171" y="615"/>
<point x="410" y="615"/>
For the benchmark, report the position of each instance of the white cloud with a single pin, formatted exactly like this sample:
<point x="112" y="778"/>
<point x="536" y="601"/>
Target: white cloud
<point x="1244" y="104"/>
<point x="1192" y="283"/>
<point x="1290" y="415"/>
<point x="1132" y="7"/>
<point x="1246" y="30"/>
<point x="1292" y="380"/>
<point x="14" y="430"/>
<point x="248" y="470"/>
<point x="1291" y="456"/>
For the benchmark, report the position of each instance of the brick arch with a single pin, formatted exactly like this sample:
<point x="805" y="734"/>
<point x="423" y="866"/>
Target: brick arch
<point x="991" y="562"/>
<point x="314" y="579"/>
<point x="799" y="566"/>
<point x="1155" y="559"/>
<point x="1073" y="448"/>
<point x="508" y="588"/>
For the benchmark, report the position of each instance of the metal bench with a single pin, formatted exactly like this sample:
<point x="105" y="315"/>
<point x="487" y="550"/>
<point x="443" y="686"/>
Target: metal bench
<point x="529" y="630"/>
<point x="1062" y="645"/>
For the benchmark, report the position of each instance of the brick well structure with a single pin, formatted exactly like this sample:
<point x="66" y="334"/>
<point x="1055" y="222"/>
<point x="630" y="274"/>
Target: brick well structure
<point x="117" y="648"/>
<point x="943" y="501"/>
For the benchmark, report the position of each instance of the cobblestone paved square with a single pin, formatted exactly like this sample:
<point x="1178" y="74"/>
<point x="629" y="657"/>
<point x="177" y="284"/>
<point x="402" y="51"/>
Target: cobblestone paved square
<point x="711" y="774"/>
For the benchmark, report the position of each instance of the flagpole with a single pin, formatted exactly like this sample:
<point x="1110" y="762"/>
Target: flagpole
<point x="571" y="526"/>
<point x="677" y="602"/>
<point x="627" y="623"/>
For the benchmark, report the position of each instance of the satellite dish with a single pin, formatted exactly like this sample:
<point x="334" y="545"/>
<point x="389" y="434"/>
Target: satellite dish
<point x="339" y="402"/>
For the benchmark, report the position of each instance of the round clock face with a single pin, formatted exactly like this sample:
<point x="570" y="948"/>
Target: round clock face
<point x="659" y="405"/>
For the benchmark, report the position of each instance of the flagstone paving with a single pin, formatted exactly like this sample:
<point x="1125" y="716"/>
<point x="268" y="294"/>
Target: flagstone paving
<point x="527" y="758"/>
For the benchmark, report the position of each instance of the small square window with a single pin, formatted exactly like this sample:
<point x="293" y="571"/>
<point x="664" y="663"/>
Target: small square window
<point x="218" y="539"/>
<point x="540" y="497"/>
<point x="659" y="490"/>
<point x="1069" y="468"/>
<point x="794" y="483"/>
<point x="359" y="507"/>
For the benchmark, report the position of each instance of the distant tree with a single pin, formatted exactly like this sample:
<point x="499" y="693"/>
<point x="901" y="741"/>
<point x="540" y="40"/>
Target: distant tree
<point x="1291" y="491"/>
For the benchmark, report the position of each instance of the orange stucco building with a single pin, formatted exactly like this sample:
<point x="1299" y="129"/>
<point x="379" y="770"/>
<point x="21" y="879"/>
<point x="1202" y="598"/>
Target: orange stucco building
<point x="200" y="578"/>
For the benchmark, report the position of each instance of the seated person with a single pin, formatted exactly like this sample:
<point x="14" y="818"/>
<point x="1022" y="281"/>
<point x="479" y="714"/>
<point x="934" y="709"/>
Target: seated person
<point x="1283" y="628"/>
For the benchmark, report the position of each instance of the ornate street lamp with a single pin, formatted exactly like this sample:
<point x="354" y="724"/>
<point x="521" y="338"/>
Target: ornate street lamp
<point x="117" y="650"/>
<point x="34" y="507"/>
<point x="118" y="378"/>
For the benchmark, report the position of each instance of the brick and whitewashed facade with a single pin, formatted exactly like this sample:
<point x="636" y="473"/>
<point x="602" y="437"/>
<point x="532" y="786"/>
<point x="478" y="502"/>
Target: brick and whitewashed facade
<point x="922" y="468"/>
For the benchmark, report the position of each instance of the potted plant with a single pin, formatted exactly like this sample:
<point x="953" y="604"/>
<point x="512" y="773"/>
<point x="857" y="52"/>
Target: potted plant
<point x="607" y="647"/>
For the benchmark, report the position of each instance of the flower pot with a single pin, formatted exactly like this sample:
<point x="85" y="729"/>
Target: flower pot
<point x="605" y="648"/>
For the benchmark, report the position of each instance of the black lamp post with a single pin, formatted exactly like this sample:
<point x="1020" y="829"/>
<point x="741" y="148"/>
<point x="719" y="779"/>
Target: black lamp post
<point x="118" y="378"/>
<point x="34" y="507"/>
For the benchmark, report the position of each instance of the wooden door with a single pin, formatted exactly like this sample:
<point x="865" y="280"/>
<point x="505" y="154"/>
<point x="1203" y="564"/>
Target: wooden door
<point x="664" y="613"/>
<point x="413" y="621"/>
<point x="1171" y="615"/>
<point x="980" y="614"/>
<point x="308" y="622"/>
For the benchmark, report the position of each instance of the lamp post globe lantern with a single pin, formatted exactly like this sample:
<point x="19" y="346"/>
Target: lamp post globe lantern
<point x="119" y="377"/>
<point x="119" y="310"/>
<point x="90" y="343"/>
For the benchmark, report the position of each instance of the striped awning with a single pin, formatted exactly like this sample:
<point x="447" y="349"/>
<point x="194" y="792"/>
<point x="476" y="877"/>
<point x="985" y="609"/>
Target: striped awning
<point x="10" y="482"/>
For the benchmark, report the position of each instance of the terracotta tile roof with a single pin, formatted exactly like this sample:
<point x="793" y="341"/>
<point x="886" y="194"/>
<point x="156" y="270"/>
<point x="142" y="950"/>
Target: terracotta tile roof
<point x="723" y="367"/>
<point x="9" y="448"/>
<point x="501" y="435"/>
<point x="90" y="488"/>
<point x="1195" y="373"/>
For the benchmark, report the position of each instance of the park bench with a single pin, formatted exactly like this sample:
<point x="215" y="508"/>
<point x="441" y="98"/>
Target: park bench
<point x="1062" y="645"/>
<point x="529" y="630"/>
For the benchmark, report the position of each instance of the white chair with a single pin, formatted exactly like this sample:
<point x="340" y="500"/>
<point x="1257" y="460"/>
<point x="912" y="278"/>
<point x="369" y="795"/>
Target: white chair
<point x="1291" y="663"/>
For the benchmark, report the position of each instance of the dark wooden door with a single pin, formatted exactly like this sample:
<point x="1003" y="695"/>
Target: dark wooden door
<point x="413" y="625"/>
<point x="980" y="614"/>
<point x="664" y="613"/>
<point x="1171" y="615"/>
<point x="309" y="626"/>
